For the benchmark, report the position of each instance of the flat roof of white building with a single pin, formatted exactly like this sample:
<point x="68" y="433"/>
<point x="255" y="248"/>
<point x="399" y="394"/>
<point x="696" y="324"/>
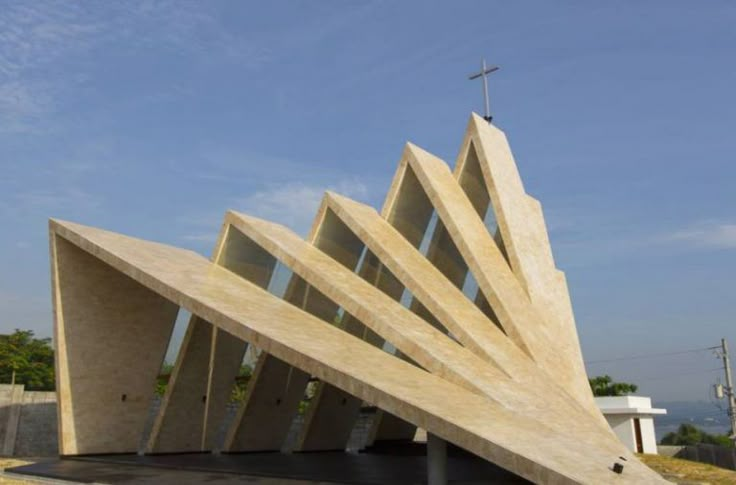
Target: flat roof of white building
<point x="627" y="405"/>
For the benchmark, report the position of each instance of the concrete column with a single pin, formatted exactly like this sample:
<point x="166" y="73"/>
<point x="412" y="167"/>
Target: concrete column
<point x="436" y="460"/>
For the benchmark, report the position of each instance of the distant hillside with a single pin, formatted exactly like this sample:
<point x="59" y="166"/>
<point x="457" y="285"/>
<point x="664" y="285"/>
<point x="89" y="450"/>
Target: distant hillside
<point x="704" y="415"/>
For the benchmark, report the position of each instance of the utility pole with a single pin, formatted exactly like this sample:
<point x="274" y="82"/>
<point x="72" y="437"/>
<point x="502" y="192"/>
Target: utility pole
<point x="728" y="389"/>
<point x="484" y="72"/>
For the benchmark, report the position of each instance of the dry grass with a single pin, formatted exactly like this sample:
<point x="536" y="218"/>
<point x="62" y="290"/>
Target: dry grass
<point x="688" y="472"/>
<point x="9" y="463"/>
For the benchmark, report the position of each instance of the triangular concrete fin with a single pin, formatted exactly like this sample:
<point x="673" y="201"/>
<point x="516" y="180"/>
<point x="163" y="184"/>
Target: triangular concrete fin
<point x="523" y="232"/>
<point x="426" y="311"/>
<point x="534" y="447"/>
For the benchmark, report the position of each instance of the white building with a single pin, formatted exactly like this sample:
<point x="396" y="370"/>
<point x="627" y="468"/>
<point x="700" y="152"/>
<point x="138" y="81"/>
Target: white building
<point x="632" y="419"/>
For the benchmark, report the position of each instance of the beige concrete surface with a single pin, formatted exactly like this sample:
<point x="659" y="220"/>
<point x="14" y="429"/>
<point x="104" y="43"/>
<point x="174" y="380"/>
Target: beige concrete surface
<point x="201" y="381"/>
<point x="521" y="226"/>
<point x="275" y="388"/>
<point x="429" y="347"/>
<point x="496" y="370"/>
<point x="275" y="391"/>
<point x="185" y="396"/>
<point x="111" y="334"/>
<point x="443" y="299"/>
<point x="331" y="415"/>
<point x="271" y="401"/>
<point x="481" y="425"/>
<point x="432" y="349"/>
<point x="426" y="282"/>
<point x="519" y="318"/>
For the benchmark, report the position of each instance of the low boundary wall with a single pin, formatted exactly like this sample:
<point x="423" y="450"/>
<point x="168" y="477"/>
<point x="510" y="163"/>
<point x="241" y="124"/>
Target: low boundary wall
<point x="28" y="422"/>
<point x="719" y="456"/>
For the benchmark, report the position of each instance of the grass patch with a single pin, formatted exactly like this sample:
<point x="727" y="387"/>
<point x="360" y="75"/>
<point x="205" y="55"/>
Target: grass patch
<point x="688" y="472"/>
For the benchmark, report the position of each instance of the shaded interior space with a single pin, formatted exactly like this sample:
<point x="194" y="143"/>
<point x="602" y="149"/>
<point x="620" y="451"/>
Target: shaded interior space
<point x="404" y="463"/>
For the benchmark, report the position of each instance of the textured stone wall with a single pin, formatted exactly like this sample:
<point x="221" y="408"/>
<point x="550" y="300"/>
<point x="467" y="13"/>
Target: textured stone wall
<point x="6" y="398"/>
<point x="28" y="422"/>
<point x="37" y="426"/>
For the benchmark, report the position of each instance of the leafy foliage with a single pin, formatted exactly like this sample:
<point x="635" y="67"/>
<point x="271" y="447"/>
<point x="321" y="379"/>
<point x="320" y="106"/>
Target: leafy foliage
<point x="241" y="383"/>
<point x="238" y="392"/>
<point x="163" y="378"/>
<point x="687" y="434"/>
<point x="31" y="358"/>
<point x="604" y="386"/>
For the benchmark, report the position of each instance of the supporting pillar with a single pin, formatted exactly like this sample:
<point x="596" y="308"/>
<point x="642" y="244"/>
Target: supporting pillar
<point x="436" y="460"/>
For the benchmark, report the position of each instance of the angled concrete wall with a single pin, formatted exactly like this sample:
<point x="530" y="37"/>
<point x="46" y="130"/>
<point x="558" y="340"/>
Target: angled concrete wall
<point x="445" y="312"/>
<point x="462" y="414"/>
<point x="111" y="336"/>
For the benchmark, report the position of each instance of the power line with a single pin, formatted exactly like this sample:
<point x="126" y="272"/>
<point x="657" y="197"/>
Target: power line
<point x="650" y="356"/>
<point x="677" y="375"/>
<point x="701" y="414"/>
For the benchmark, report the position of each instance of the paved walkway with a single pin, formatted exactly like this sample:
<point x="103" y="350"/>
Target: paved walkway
<point x="266" y="468"/>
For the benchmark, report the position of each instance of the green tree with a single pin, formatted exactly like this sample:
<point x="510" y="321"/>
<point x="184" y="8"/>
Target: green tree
<point x="604" y="386"/>
<point x="32" y="360"/>
<point x="687" y="434"/>
<point x="162" y="380"/>
<point x="237" y="394"/>
<point x="241" y="383"/>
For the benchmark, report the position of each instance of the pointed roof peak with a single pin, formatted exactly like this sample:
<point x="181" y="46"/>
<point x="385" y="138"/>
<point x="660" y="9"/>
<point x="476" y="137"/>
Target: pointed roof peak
<point x="481" y="126"/>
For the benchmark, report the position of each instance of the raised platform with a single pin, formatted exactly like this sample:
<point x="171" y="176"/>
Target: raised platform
<point x="403" y="466"/>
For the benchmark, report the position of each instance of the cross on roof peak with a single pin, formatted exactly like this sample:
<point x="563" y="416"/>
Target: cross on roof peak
<point x="484" y="71"/>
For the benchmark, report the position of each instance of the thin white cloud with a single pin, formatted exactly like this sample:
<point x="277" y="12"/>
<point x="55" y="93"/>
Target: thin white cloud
<point x="7" y="298"/>
<point x="23" y="106"/>
<point x="34" y="34"/>
<point x="41" y="36"/>
<point x="65" y="198"/>
<point x="206" y="237"/>
<point x="295" y="204"/>
<point x="49" y="202"/>
<point x="710" y="234"/>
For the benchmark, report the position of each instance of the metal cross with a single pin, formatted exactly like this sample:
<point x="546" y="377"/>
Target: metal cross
<point x="484" y="71"/>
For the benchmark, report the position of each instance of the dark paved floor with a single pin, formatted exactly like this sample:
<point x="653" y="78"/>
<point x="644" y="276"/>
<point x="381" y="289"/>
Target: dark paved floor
<point x="405" y="466"/>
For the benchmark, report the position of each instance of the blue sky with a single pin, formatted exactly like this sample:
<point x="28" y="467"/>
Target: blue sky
<point x="153" y="118"/>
